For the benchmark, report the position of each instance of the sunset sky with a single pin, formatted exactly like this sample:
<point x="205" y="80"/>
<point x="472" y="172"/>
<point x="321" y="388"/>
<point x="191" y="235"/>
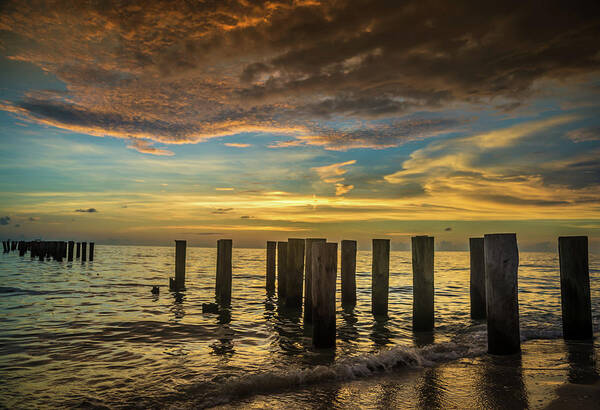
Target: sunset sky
<point x="257" y="120"/>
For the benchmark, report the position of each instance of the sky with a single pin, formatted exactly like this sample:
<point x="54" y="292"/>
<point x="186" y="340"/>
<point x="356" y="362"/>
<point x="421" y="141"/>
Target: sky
<point x="125" y="122"/>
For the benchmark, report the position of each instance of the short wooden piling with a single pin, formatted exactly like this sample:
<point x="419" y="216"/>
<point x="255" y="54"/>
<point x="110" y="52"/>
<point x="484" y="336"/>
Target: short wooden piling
<point x="70" y="251"/>
<point x="91" y="251"/>
<point x="294" y="273"/>
<point x="178" y="283"/>
<point x="324" y="268"/>
<point x="281" y="270"/>
<point x="348" y="273"/>
<point x="78" y="250"/>
<point x="83" y="251"/>
<point x="308" y="278"/>
<point x="477" y="286"/>
<point x="501" y="287"/>
<point x="224" y="265"/>
<point x="380" y="276"/>
<point x="575" y="288"/>
<point x="423" y="292"/>
<point x="271" y="256"/>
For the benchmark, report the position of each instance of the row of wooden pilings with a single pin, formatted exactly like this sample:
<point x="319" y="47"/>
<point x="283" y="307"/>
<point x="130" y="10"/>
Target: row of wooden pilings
<point x="57" y="250"/>
<point x="310" y="265"/>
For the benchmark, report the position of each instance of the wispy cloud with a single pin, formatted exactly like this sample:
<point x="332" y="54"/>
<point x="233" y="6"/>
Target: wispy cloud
<point x="88" y="210"/>
<point x="236" y="145"/>
<point x="333" y="174"/>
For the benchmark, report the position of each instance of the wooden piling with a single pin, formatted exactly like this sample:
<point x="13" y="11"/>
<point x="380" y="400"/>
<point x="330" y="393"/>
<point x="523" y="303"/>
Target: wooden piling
<point x="83" y="251"/>
<point x="271" y="256"/>
<point x="42" y="251"/>
<point x="294" y="273"/>
<point x="91" y="251"/>
<point x="78" y="250"/>
<point x="324" y="268"/>
<point x="501" y="287"/>
<point x="380" y="276"/>
<point x="281" y="270"/>
<point x="348" y="273"/>
<point x="70" y="251"/>
<point x="223" y="283"/>
<point x="477" y="286"/>
<point x="178" y="283"/>
<point x="575" y="288"/>
<point x="308" y="277"/>
<point x="422" y="263"/>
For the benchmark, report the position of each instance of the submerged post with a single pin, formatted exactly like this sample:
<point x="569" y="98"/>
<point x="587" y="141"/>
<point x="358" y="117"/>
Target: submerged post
<point x="308" y="278"/>
<point x="380" y="271"/>
<point x="271" y="248"/>
<point x="477" y="286"/>
<point x="223" y="283"/>
<point x="281" y="270"/>
<point x="70" y="251"/>
<point x="348" y="273"/>
<point x="575" y="288"/>
<point x="78" y="250"/>
<point x="91" y="251"/>
<point x="178" y="283"/>
<point x="423" y="292"/>
<point x="324" y="268"/>
<point x="83" y="251"/>
<point x="294" y="273"/>
<point x="501" y="286"/>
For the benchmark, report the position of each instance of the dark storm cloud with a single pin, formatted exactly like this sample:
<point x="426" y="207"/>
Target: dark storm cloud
<point x="4" y="220"/>
<point x="222" y="211"/>
<point x="181" y="73"/>
<point x="88" y="210"/>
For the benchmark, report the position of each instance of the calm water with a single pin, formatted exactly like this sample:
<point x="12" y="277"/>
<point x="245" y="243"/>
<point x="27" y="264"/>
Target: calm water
<point x="93" y="334"/>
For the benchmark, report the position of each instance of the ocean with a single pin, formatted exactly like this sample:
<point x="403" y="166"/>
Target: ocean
<point x="93" y="335"/>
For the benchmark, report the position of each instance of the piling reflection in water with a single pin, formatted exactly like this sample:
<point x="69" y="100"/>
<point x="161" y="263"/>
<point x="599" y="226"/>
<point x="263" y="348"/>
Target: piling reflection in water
<point x="499" y="381"/>
<point x="582" y="362"/>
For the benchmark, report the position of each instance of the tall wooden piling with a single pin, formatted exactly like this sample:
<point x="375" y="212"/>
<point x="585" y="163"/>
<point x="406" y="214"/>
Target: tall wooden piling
<point x="70" y="251"/>
<point x="477" y="286"/>
<point x="423" y="292"/>
<point x="178" y="283"/>
<point x="380" y="279"/>
<point x="324" y="268"/>
<point x="223" y="283"/>
<point x="308" y="277"/>
<point x="271" y="251"/>
<point x="83" y="251"/>
<point x="575" y="288"/>
<point x="281" y="270"/>
<point x="294" y="273"/>
<point x="501" y="287"/>
<point x="91" y="251"/>
<point x="348" y="273"/>
<point x="78" y="250"/>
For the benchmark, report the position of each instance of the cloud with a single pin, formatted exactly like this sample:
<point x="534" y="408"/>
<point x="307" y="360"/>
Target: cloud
<point x="221" y="211"/>
<point x="224" y="189"/>
<point x="584" y="134"/>
<point x="448" y="229"/>
<point x="236" y="145"/>
<point x="17" y="225"/>
<point x="4" y="220"/>
<point x="314" y="73"/>
<point x="33" y="219"/>
<point x="88" y="210"/>
<point x="333" y="174"/>
<point x="246" y="217"/>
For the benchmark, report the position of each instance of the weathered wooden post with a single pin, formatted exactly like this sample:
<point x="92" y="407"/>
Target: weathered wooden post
<point x="59" y="250"/>
<point x="271" y="250"/>
<point x="22" y="248"/>
<point x="223" y="283"/>
<point x="70" y="252"/>
<point x="294" y="273"/>
<point x="324" y="268"/>
<point x="380" y="276"/>
<point x="281" y="270"/>
<point x="178" y="283"/>
<point x="42" y="251"/>
<point x="91" y="251"/>
<point x="477" y="287"/>
<point x="83" y="251"/>
<point x="308" y="278"/>
<point x="78" y="250"/>
<point x="501" y="288"/>
<point x="348" y="273"/>
<point x="63" y="247"/>
<point x="422" y="263"/>
<point x="575" y="288"/>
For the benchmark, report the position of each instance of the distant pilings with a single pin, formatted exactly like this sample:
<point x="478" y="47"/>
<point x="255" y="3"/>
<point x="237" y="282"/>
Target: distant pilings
<point x="501" y="286"/>
<point x="308" y="278"/>
<point x="294" y="273"/>
<point x="477" y="278"/>
<point x="47" y="250"/>
<point x="575" y="288"/>
<point x="270" y="274"/>
<point x="83" y="251"/>
<point x="380" y="271"/>
<point x="70" y="251"/>
<point x="178" y="283"/>
<point x="423" y="291"/>
<point x="224" y="267"/>
<point x="91" y="251"/>
<point x="281" y="270"/>
<point x="78" y="250"/>
<point x="348" y="273"/>
<point x="324" y="269"/>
